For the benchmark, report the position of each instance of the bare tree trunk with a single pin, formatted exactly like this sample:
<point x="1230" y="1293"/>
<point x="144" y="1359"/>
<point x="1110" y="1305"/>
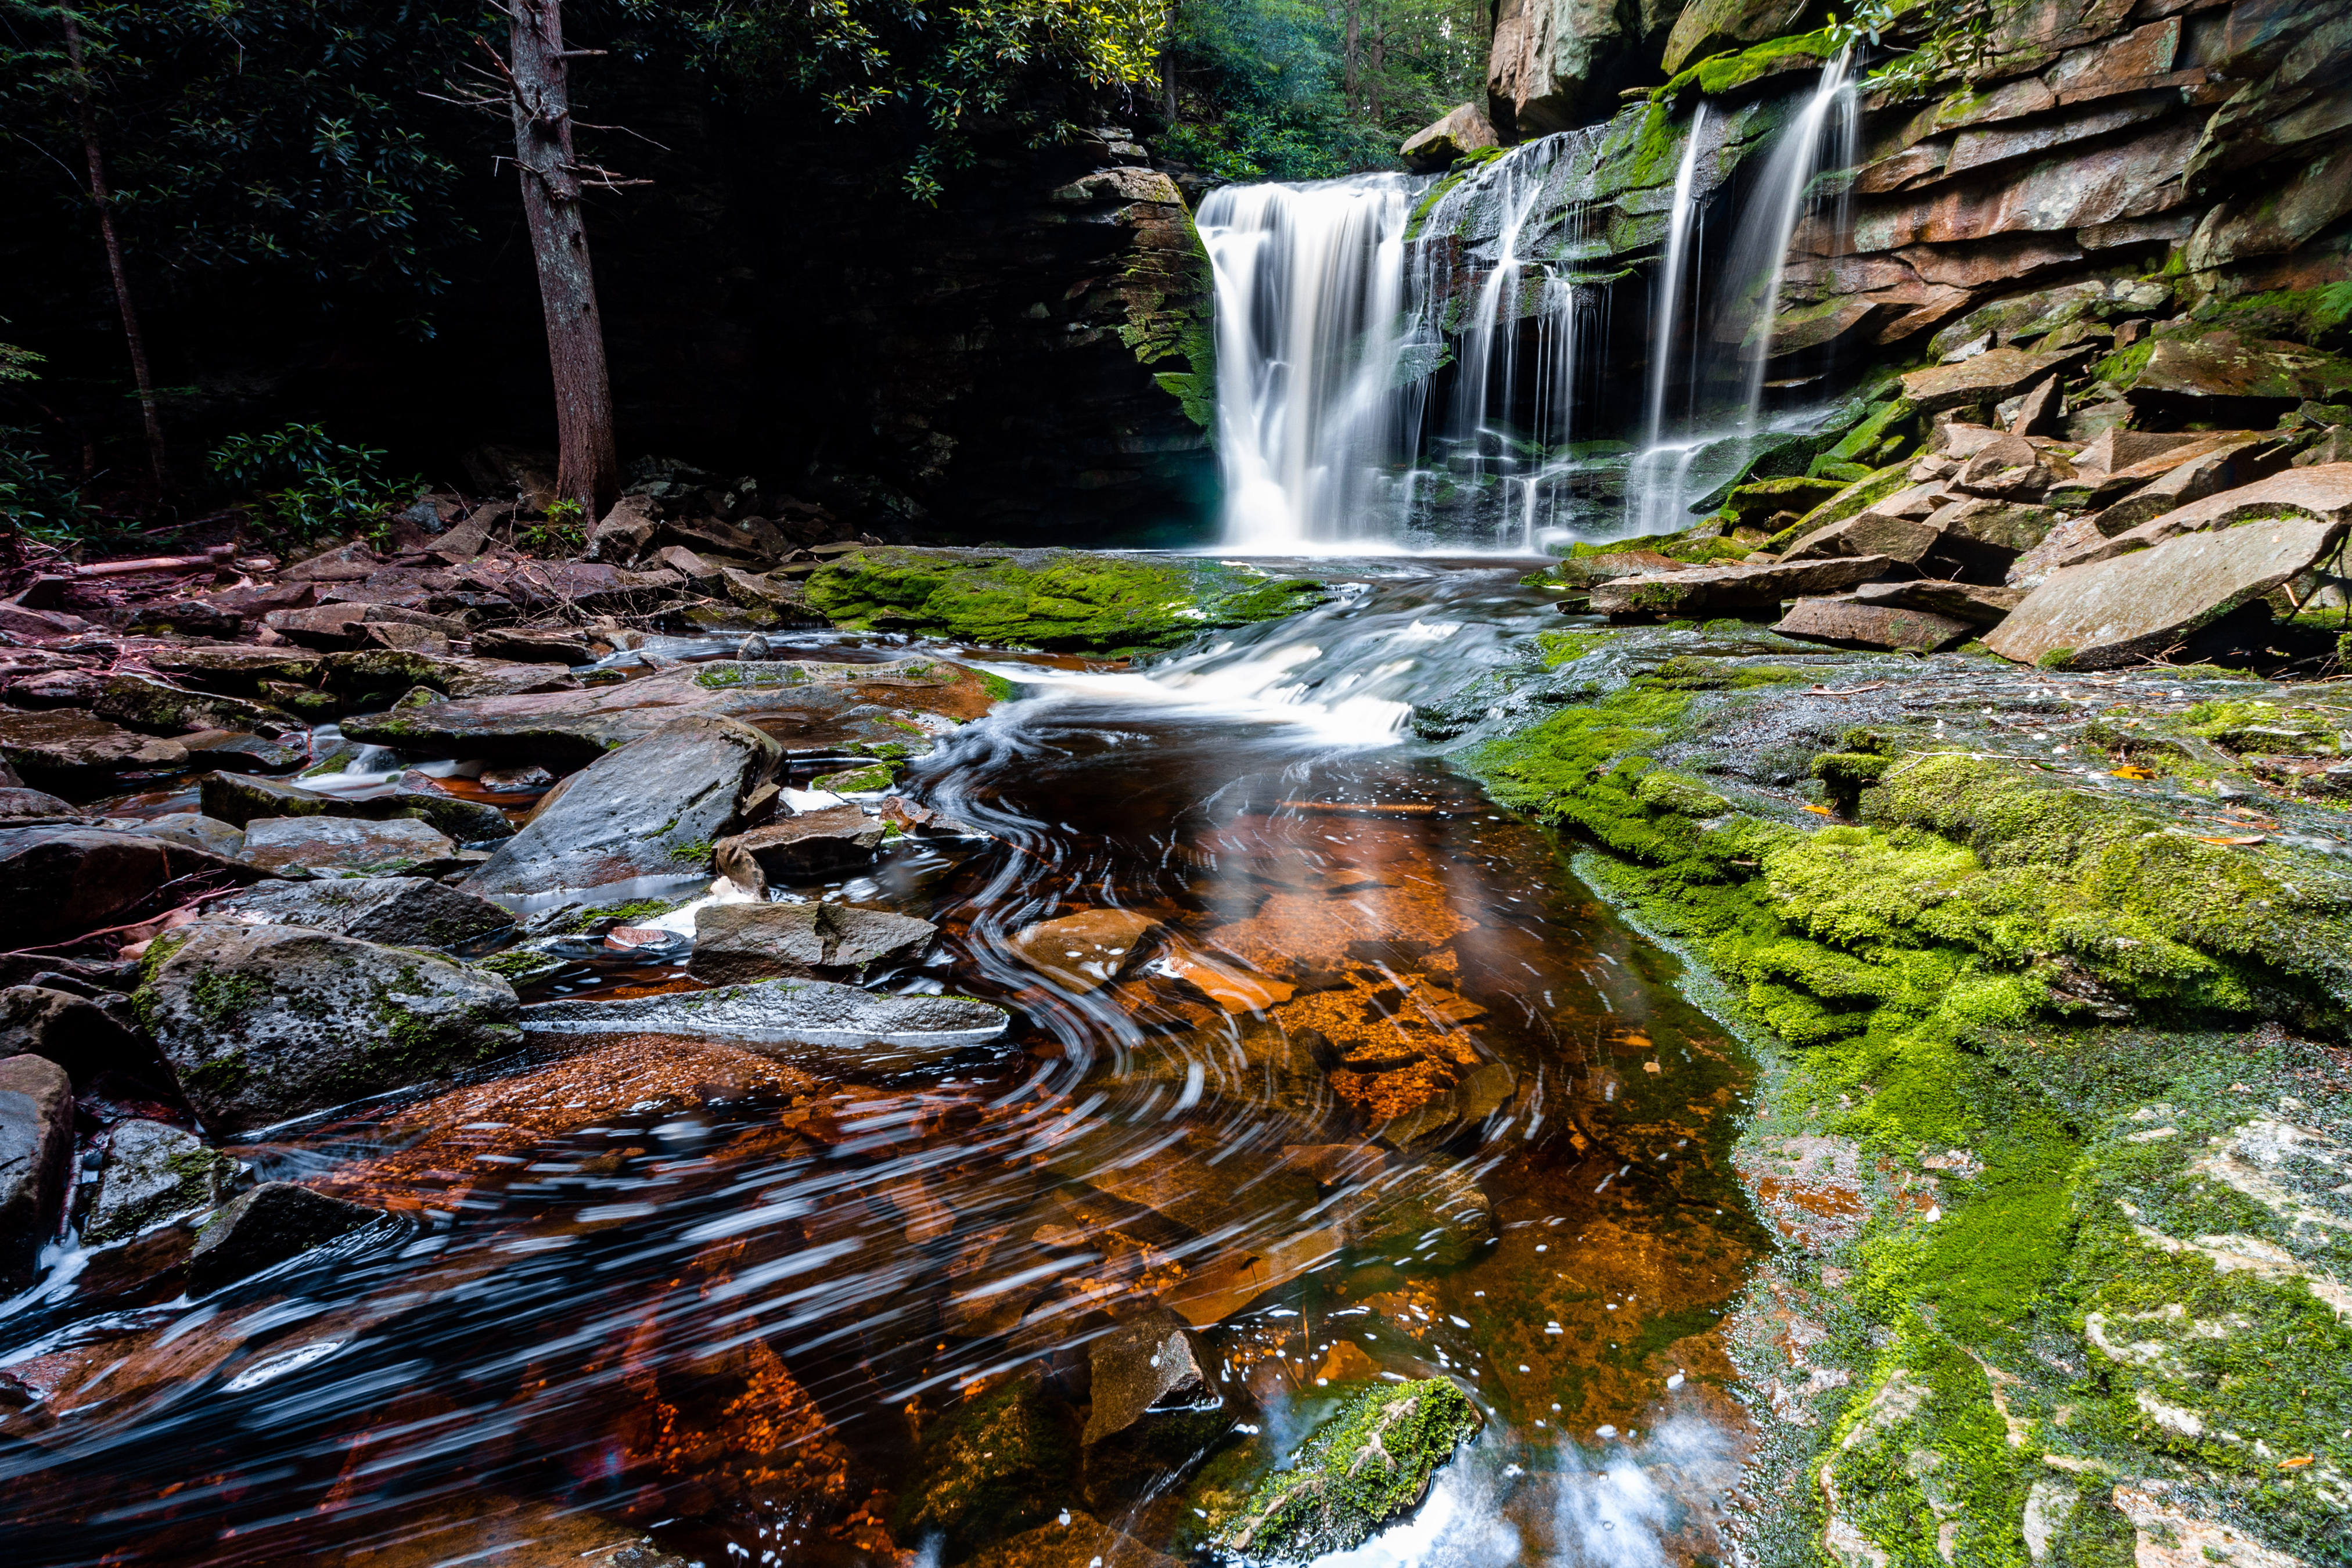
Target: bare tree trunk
<point x="587" y="468"/>
<point x="1376" y="59"/>
<point x="1355" y="24"/>
<point x="102" y="198"/>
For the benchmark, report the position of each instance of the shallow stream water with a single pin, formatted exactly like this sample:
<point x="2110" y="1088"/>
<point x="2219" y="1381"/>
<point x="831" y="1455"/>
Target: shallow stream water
<point x="720" y="1303"/>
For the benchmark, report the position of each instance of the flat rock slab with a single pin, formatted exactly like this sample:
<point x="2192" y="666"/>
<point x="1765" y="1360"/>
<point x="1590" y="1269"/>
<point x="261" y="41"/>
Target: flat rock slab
<point x="1087" y="950"/>
<point x="58" y="882"/>
<point x="883" y="1030"/>
<point x="653" y="808"/>
<point x="1972" y="602"/>
<point x="65" y="747"/>
<point x="1849" y="623"/>
<point x="403" y="912"/>
<point x="1987" y="377"/>
<point x="2134" y="607"/>
<point x="806" y="844"/>
<point x="343" y="844"/>
<point x="262" y="1024"/>
<point x="816" y="941"/>
<point x="1708" y="588"/>
<point x="806" y="707"/>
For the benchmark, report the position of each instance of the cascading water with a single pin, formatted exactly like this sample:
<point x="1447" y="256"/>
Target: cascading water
<point x="1655" y="482"/>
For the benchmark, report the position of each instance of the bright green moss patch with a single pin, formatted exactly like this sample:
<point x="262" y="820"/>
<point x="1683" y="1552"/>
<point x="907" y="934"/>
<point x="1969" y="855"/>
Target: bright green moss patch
<point x="1055" y="599"/>
<point x="1366" y="1466"/>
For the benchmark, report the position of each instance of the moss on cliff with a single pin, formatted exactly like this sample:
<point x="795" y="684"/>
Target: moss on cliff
<point x="1058" y="599"/>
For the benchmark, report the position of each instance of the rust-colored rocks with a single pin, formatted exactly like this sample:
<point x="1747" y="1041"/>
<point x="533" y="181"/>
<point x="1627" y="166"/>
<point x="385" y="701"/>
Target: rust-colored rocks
<point x="1087" y="950"/>
<point x="1987" y="377"/>
<point x="1715" y="590"/>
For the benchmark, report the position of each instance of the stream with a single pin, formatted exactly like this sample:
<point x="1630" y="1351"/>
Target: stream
<point x="1380" y="1091"/>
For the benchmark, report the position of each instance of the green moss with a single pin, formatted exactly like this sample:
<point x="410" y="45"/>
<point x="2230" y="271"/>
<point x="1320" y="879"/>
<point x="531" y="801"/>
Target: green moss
<point x="999" y="689"/>
<point x="1719" y="74"/>
<point x="851" y="780"/>
<point x="1052" y="599"/>
<point x="988" y="1469"/>
<point x="1566" y="647"/>
<point x="1367" y="1466"/>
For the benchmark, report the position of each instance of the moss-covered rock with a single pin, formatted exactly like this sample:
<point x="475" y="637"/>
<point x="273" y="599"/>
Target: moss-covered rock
<point x="1055" y="599"/>
<point x="989" y="1469"/>
<point x="1367" y="1467"/>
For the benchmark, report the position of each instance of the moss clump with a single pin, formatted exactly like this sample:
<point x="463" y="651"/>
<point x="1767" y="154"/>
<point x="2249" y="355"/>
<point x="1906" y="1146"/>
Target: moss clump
<point x="1567" y="648"/>
<point x="1368" y="1464"/>
<point x="854" y="781"/>
<point x="1054" y="599"/>
<point x="1719" y="74"/>
<point x="988" y="1470"/>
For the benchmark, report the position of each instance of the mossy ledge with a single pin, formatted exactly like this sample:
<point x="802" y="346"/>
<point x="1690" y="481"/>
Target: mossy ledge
<point x="1059" y="600"/>
<point x="1366" y="1466"/>
<point x="2088" y="1284"/>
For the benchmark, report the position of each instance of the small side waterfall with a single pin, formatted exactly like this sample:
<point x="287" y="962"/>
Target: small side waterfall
<point x="1665" y="314"/>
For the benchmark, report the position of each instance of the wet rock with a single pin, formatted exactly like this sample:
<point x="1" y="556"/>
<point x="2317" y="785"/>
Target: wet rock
<point x="778" y="599"/>
<point x="1082" y="1541"/>
<point x="753" y="649"/>
<point x="1849" y="623"/>
<point x="274" y="1222"/>
<point x="1157" y="1408"/>
<point x="1445" y="143"/>
<point x="988" y="1469"/>
<point x="401" y="911"/>
<point x="149" y="704"/>
<point x="1970" y="602"/>
<point x="242" y="753"/>
<point x="533" y="645"/>
<point x="2134" y="607"/>
<point x="263" y="1023"/>
<point x="1987" y="377"/>
<point x="153" y="1173"/>
<point x="808" y="707"/>
<point x="238" y="798"/>
<point x="807" y="844"/>
<point x="623" y="533"/>
<point x="1363" y="1470"/>
<point x="61" y="881"/>
<point x="815" y="1012"/>
<point x="69" y="748"/>
<point x="823" y="941"/>
<point x="73" y="1031"/>
<point x="19" y="805"/>
<point x="1707" y="590"/>
<point x="35" y="1150"/>
<point x="343" y="844"/>
<point x="654" y="808"/>
<point x="1439" y="1219"/>
<point x="1087" y="950"/>
<point x="467" y="821"/>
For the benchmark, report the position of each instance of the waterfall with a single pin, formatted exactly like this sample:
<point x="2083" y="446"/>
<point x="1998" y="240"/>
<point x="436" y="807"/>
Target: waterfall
<point x="1654" y="484"/>
<point x="1310" y="302"/>
<point x="1759" y="252"/>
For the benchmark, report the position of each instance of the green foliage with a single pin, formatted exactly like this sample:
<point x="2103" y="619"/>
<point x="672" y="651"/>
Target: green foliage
<point x="34" y="494"/>
<point x="560" y="533"/>
<point x="307" y="484"/>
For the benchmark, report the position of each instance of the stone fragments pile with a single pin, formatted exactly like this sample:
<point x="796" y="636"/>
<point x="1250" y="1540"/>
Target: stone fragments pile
<point x="2085" y="552"/>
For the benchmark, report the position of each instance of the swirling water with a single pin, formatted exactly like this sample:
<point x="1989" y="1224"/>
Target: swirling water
<point x="655" y="1287"/>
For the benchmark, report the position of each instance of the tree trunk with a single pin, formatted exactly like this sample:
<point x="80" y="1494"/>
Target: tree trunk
<point x="102" y="198"/>
<point x="587" y="468"/>
<point x="1355" y="24"/>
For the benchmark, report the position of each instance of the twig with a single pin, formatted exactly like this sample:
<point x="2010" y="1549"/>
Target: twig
<point x="109" y="931"/>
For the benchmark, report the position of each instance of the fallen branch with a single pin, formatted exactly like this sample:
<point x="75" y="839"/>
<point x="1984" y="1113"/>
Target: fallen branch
<point x="134" y="925"/>
<point x="213" y="557"/>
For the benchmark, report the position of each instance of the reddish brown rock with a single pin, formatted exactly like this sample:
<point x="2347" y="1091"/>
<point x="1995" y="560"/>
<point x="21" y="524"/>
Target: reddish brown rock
<point x="1707" y="590"/>
<point x="1849" y="623"/>
<point x="1987" y="377"/>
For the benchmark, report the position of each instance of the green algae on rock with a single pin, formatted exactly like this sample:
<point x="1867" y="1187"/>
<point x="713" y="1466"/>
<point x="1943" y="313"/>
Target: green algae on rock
<point x="1061" y="600"/>
<point x="1365" y="1468"/>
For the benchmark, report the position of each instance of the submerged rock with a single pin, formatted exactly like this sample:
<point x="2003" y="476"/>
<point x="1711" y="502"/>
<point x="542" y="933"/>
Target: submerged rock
<point x="264" y="1023"/>
<point x="1156" y="1407"/>
<point x="986" y="1469"/>
<point x="653" y="808"/>
<point x="467" y="821"/>
<point x="153" y="1174"/>
<point x="1365" y="1469"/>
<point x="883" y="1030"/>
<point x="275" y="1221"/>
<point x="406" y="911"/>
<point x="35" y="1148"/>
<point x="821" y="941"/>
<point x="1071" y="1539"/>
<point x="1087" y="950"/>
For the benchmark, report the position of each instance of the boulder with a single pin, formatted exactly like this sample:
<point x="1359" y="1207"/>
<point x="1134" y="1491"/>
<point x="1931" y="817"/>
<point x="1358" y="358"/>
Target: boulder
<point x="2323" y="493"/>
<point x="323" y="627"/>
<point x="153" y="1174"/>
<point x="62" y="880"/>
<point x="1872" y="532"/>
<point x="809" y="844"/>
<point x="401" y="911"/>
<point x="820" y="942"/>
<point x="1464" y="130"/>
<point x="1981" y="536"/>
<point x="1849" y="623"/>
<point x="72" y="1031"/>
<point x="2219" y="374"/>
<point x="467" y="821"/>
<point x="987" y="1468"/>
<point x="776" y="598"/>
<point x="36" y="1151"/>
<point x="68" y="749"/>
<point x="2134" y="607"/>
<point x="811" y="708"/>
<point x="623" y="533"/>
<point x="274" y="1222"/>
<point x="654" y="808"/>
<point x="241" y="753"/>
<point x="1987" y="377"/>
<point x="362" y="671"/>
<point x="346" y="845"/>
<point x="146" y="703"/>
<point x="238" y="798"/>
<point x="1363" y="1470"/>
<point x="1978" y="604"/>
<point x="1157" y="1408"/>
<point x="817" y="1013"/>
<point x="1708" y="590"/>
<point x="534" y="644"/>
<point x="2010" y="467"/>
<point x="2207" y="473"/>
<point x="19" y="806"/>
<point x="1087" y="950"/>
<point x="1711" y="26"/>
<point x="264" y="1023"/>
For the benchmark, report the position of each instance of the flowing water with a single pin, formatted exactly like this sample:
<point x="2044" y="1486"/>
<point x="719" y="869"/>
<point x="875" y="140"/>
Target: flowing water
<point x="720" y="1302"/>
